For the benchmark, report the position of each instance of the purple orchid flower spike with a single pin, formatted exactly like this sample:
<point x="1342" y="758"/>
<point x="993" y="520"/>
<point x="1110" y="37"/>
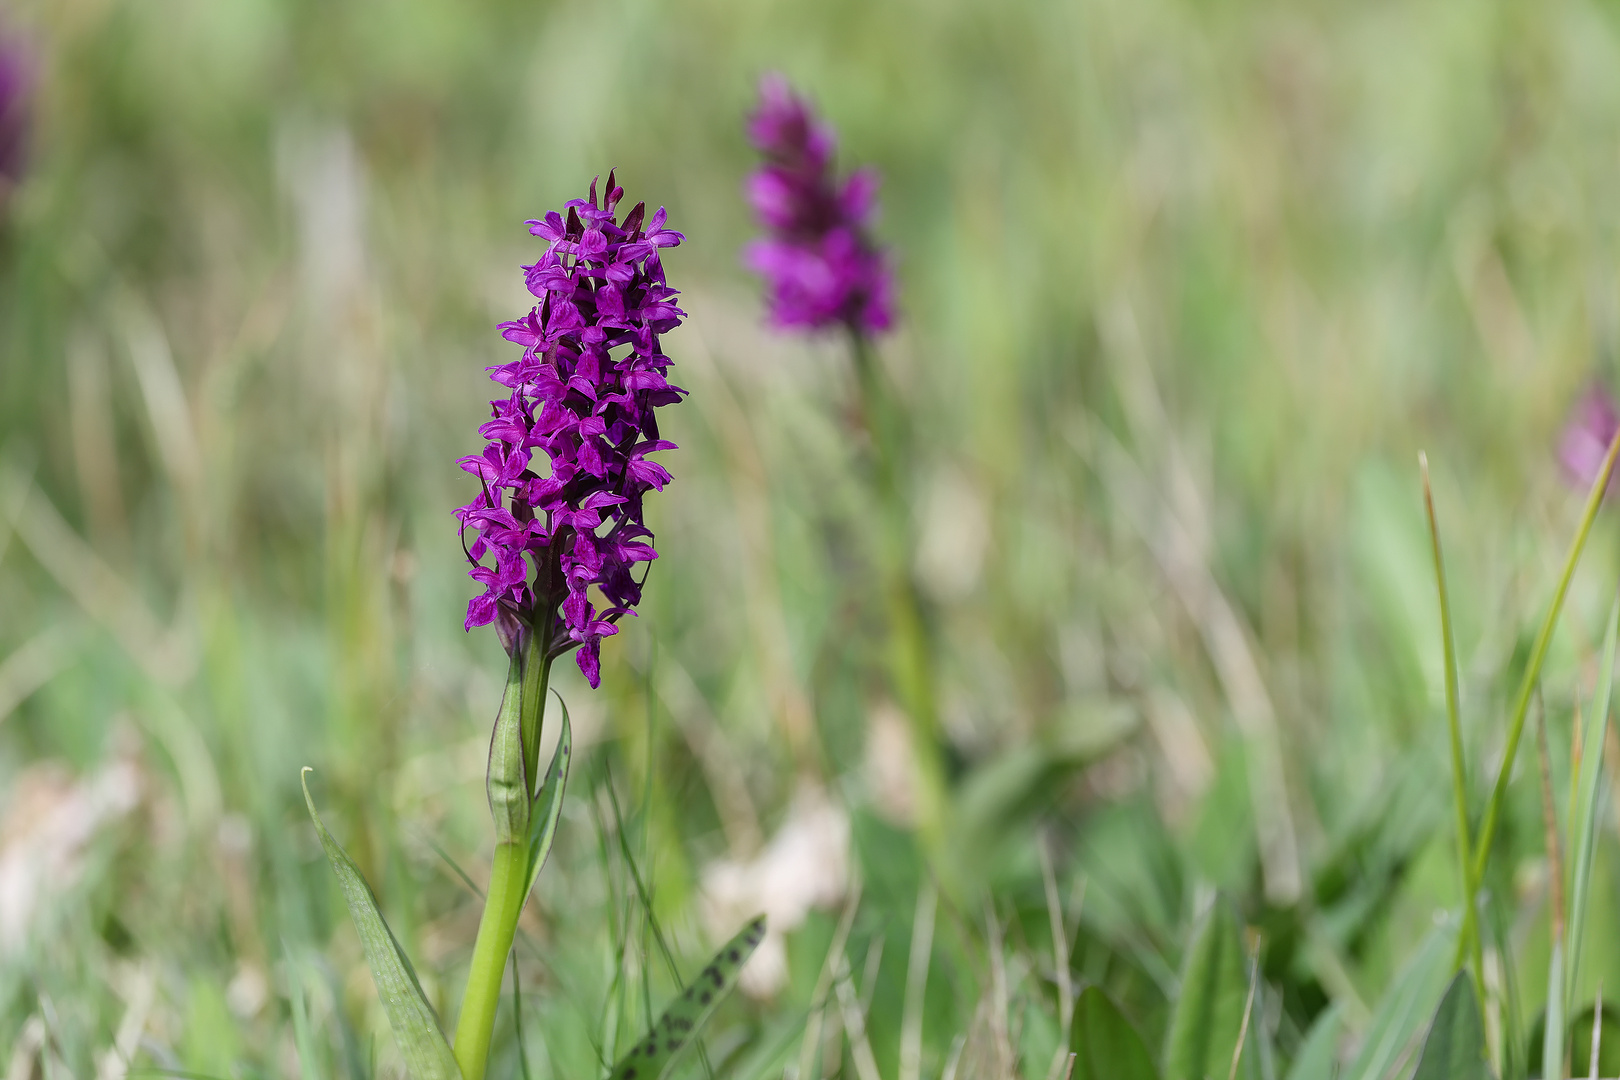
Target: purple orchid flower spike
<point x="584" y="391"/>
<point x="820" y="266"/>
<point x="1587" y="434"/>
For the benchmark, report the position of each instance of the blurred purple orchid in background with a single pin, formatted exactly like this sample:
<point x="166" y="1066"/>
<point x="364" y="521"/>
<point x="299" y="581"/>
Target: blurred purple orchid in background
<point x="16" y="87"/>
<point x="820" y="266"/>
<point x="584" y="391"/>
<point x="1587" y="434"/>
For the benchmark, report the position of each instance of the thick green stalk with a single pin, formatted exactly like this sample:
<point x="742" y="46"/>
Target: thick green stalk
<point x="1532" y="671"/>
<point x="910" y="652"/>
<point x="1459" y="777"/>
<point x="508" y="889"/>
<point x="509" y="875"/>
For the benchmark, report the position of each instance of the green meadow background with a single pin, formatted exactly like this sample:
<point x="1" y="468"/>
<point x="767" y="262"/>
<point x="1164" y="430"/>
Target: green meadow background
<point x="1185" y="287"/>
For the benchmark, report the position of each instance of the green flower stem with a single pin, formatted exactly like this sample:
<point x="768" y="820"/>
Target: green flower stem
<point x="911" y="660"/>
<point x="1532" y="673"/>
<point x="536" y="677"/>
<point x="508" y="889"/>
<point x="1459" y="776"/>
<point x="508" y="886"/>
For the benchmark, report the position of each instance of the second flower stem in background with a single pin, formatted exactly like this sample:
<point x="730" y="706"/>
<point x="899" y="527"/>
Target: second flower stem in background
<point x="910" y="650"/>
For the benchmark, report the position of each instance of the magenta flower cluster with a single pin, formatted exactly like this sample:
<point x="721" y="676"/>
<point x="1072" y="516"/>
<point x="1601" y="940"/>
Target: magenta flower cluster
<point x="584" y="392"/>
<point x="821" y="268"/>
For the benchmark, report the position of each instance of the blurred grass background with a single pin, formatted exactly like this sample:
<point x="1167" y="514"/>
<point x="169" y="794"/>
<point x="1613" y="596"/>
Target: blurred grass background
<point x="1185" y="288"/>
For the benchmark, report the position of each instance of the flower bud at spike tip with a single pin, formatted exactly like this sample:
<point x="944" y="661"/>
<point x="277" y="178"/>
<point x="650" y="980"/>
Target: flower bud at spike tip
<point x="584" y="391"/>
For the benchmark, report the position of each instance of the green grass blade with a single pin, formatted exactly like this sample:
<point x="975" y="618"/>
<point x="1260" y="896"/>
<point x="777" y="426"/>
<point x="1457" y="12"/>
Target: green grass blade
<point x="416" y="1027"/>
<point x="1106" y="1046"/>
<point x="1553" y="1031"/>
<point x="1459" y="768"/>
<point x="1583" y="823"/>
<point x="1209" y="1013"/>
<point x="1532" y="671"/>
<point x="1455" y="1047"/>
<point x="1396" y="1019"/>
<point x="653" y="1054"/>
<point x="548" y="804"/>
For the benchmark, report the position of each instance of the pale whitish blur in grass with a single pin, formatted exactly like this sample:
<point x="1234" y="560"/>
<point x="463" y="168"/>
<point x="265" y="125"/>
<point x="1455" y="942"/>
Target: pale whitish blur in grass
<point x="1185" y="288"/>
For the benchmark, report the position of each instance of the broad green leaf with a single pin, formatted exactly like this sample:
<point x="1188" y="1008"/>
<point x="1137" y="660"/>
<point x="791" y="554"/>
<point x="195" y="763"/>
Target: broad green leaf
<point x="1401" y="1011"/>
<point x="1455" y="1047"/>
<point x="1209" y="1013"/>
<point x="416" y="1028"/>
<point x="653" y="1054"/>
<point x="1589" y="793"/>
<point x="1105" y="1045"/>
<point x="548" y="804"/>
<point x="1318" y="1058"/>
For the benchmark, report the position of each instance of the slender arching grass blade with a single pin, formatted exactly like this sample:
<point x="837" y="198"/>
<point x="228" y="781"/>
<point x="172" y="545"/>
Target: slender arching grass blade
<point x="1583" y="823"/>
<point x="1469" y="939"/>
<point x="1538" y="654"/>
<point x="416" y="1027"/>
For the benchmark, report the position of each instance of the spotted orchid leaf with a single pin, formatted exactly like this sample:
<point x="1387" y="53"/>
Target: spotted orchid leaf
<point x="653" y="1054"/>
